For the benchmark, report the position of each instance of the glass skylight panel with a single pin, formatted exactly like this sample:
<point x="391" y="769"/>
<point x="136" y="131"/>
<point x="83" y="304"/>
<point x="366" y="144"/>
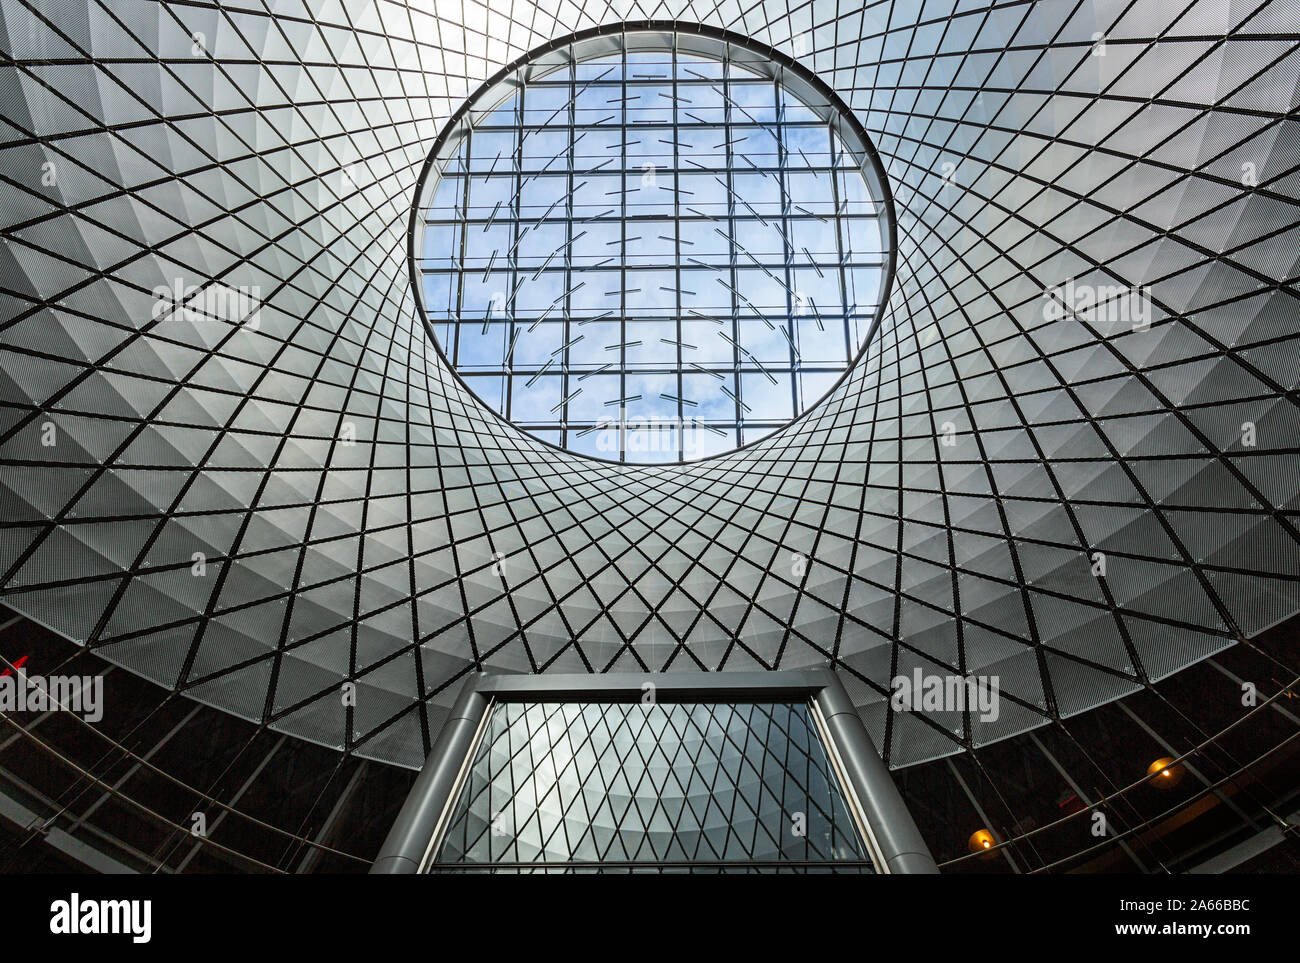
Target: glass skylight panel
<point x="652" y="256"/>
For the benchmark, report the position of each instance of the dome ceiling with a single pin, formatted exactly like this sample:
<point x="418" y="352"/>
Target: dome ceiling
<point x="232" y="461"/>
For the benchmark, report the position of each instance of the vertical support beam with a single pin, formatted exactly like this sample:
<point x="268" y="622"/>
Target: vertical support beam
<point x="413" y="830"/>
<point x="234" y="801"/>
<point x="1240" y="682"/>
<point x="1087" y="801"/>
<point x="122" y="781"/>
<point x="895" y="832"/>
<point x="1191" y="767"/>
<point x="341" y="805"/>
<point x="984" y="817"/>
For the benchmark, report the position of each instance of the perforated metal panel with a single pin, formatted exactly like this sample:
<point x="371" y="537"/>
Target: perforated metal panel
<point x="360" y="517"/>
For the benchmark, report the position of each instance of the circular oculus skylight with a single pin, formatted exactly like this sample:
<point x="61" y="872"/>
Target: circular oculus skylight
<point x="652" y="247"/>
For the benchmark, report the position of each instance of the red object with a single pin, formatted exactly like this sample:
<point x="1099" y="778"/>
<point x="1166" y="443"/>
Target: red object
<point x="1070" y="804"/>
<point x="17" y="665"/>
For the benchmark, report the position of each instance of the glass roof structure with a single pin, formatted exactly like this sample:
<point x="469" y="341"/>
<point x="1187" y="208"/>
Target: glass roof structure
<point x="652" y="247"/>
<point x="234" y="461"/>
<point x="586" y="784"/>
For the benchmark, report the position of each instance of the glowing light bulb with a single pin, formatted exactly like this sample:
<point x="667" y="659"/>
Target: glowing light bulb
<point x="1164" y="774"/>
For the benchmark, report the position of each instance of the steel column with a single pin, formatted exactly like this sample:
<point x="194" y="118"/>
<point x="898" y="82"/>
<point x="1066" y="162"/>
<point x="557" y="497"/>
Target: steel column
<point x="896" y="836"/>
<point x="413" y="831"/>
